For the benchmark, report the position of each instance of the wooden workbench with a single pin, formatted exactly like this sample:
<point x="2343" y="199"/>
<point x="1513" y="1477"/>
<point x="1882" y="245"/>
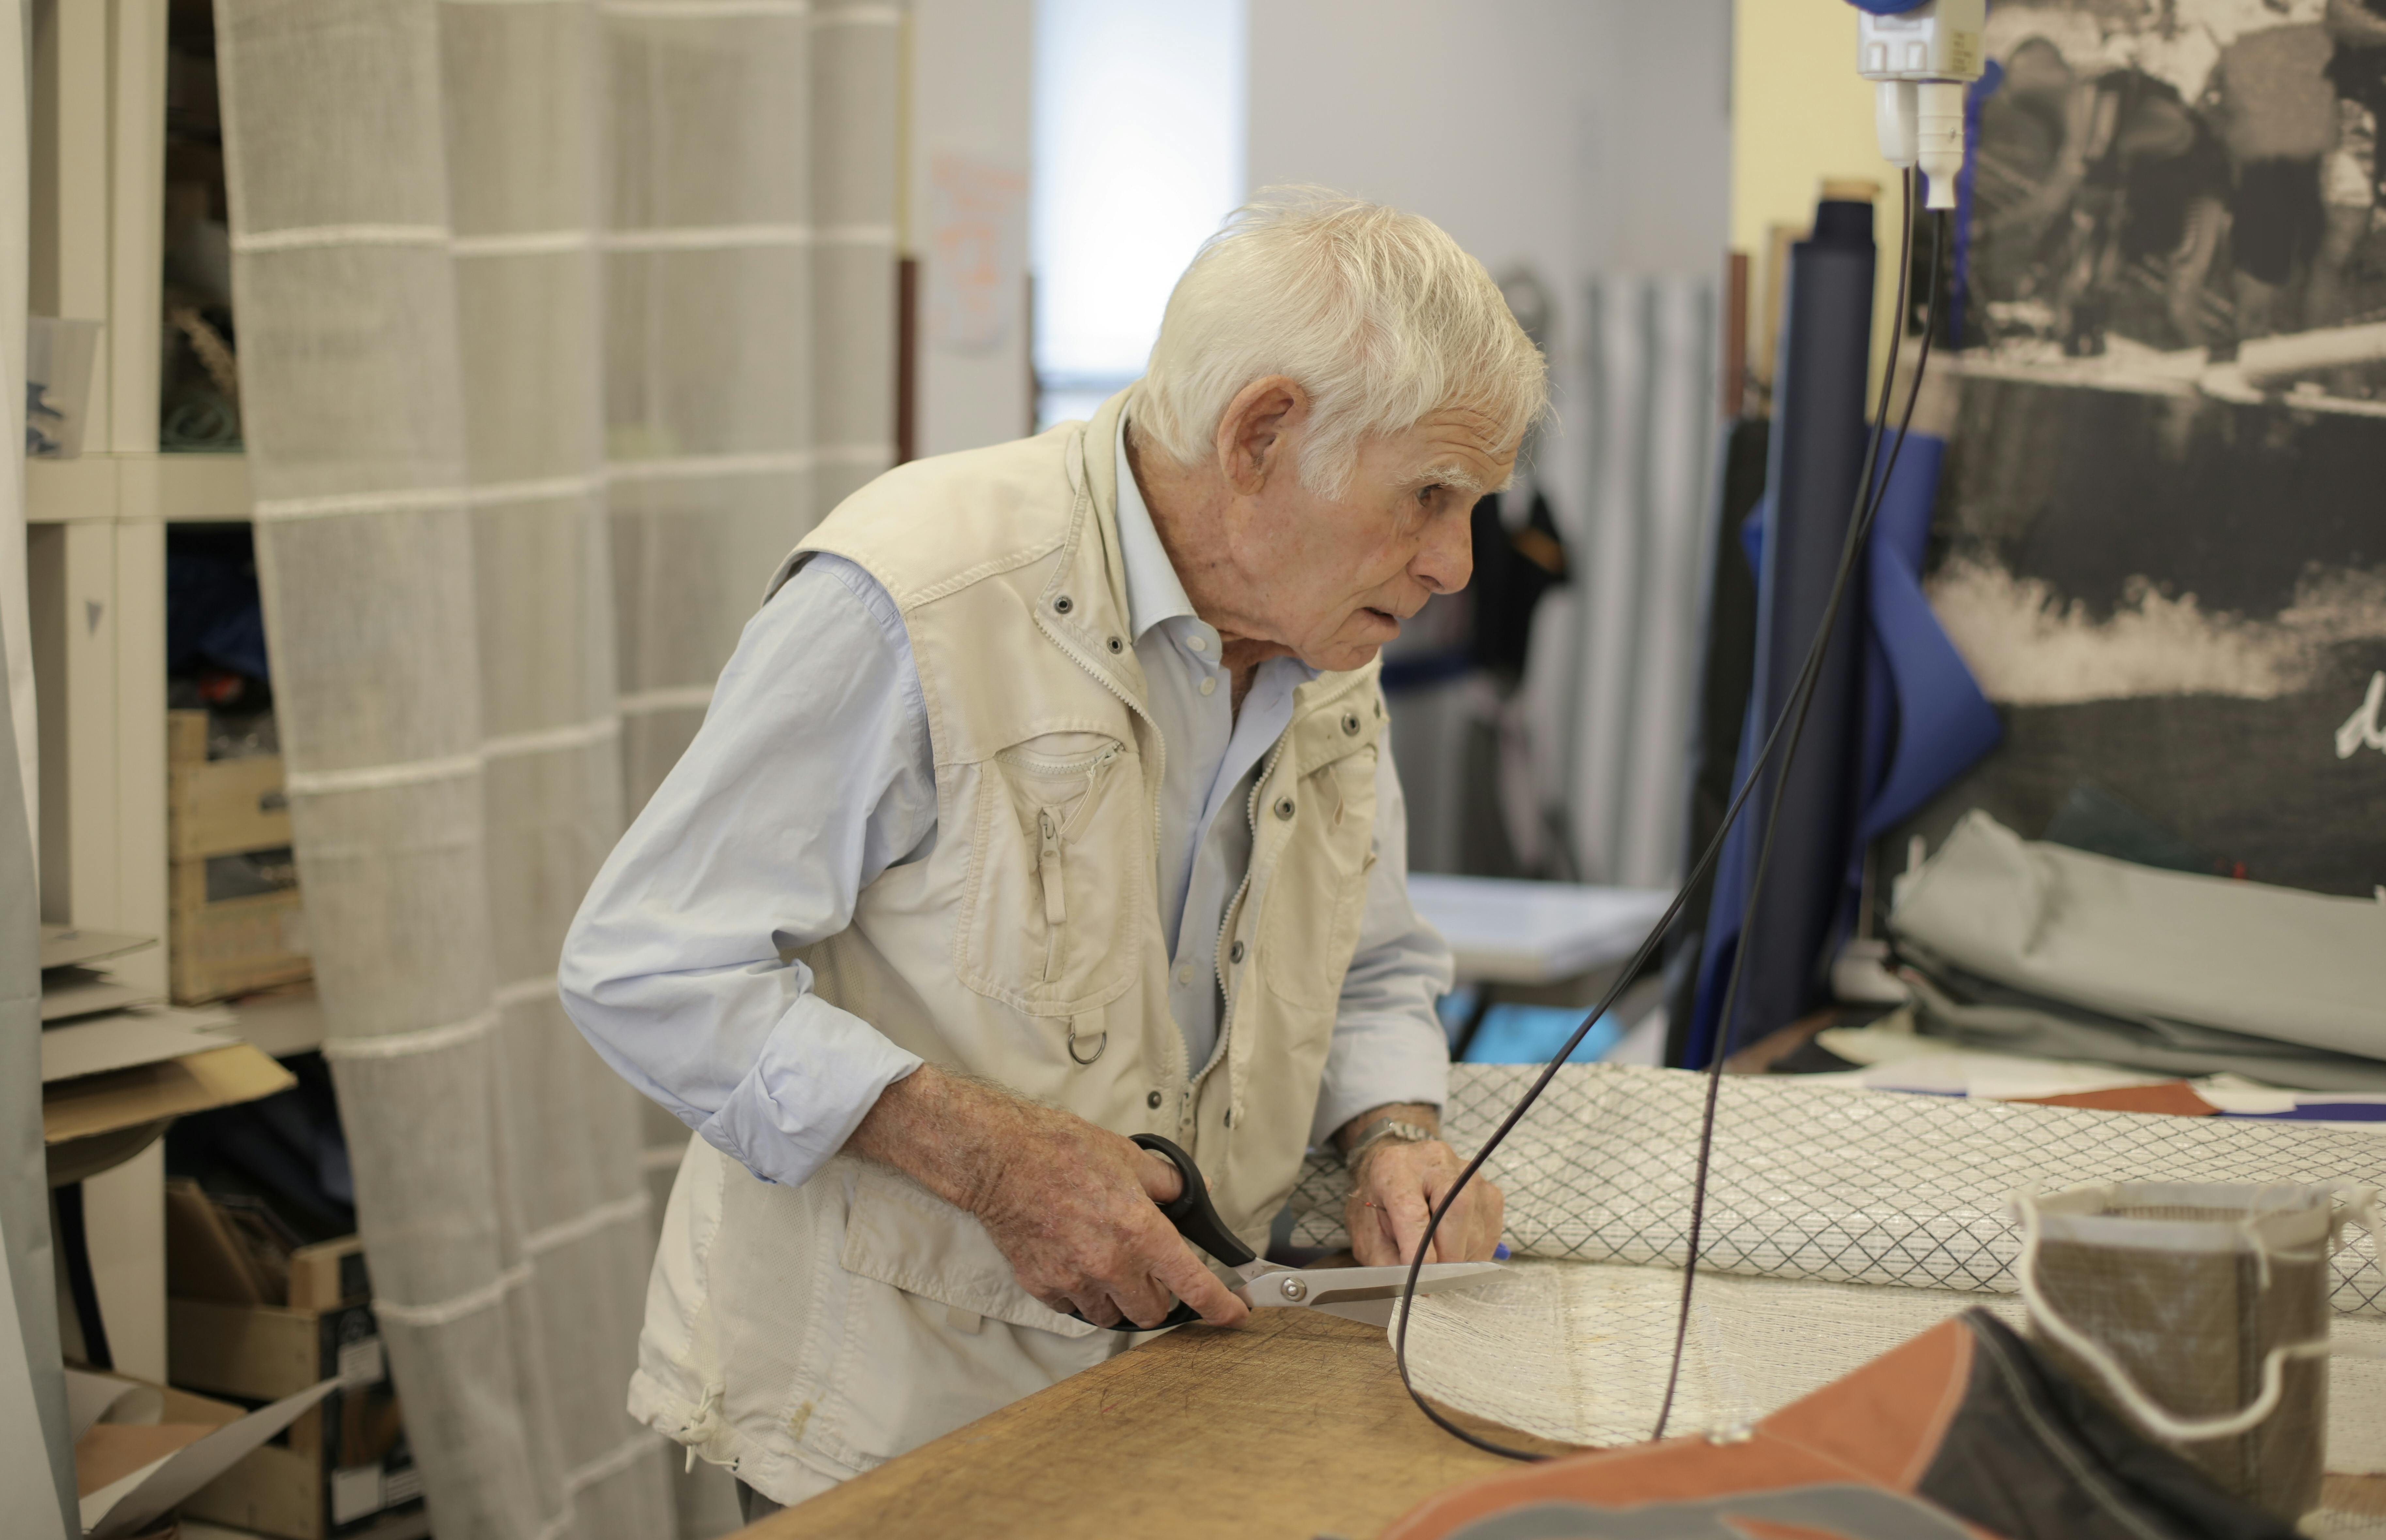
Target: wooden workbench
<point x="1295" y="1425"/>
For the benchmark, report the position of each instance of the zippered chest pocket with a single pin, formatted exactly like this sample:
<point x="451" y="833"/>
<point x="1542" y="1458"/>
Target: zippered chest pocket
<point x="1057" y="875"/>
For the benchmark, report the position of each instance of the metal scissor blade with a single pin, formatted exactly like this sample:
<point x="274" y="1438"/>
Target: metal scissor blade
<point x="1371" y="1295"/>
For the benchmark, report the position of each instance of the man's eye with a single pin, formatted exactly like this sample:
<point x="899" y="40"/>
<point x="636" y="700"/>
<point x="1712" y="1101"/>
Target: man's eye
<point x="1425" y="494"/>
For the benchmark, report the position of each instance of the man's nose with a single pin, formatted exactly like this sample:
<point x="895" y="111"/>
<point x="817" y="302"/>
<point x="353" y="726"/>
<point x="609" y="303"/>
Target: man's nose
<point x="1447" y="559"/>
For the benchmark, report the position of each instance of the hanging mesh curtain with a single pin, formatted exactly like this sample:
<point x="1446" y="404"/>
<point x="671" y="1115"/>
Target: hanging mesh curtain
<point x="558" y="324"/>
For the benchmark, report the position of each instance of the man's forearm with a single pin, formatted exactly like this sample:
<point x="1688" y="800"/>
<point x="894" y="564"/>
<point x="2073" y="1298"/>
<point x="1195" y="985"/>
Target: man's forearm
<point x="946" y="1131"/>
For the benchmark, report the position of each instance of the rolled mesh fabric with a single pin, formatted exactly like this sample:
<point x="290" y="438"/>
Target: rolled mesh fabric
<point x="1838" y="1224"/>
<point x="559" y="324"/>
<point x="1832" y="1184"/>
<point x="1578" y="1351"/>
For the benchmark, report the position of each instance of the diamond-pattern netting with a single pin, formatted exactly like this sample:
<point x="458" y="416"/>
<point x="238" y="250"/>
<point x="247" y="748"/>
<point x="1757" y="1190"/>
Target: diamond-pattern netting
<point x="1838" y="1185"/>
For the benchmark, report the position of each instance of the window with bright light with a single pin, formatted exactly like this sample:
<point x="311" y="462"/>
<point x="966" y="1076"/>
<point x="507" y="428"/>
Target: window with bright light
<point x="1139" y="115"/>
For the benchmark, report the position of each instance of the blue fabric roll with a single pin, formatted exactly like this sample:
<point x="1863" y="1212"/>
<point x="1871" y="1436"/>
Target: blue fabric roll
<point x="1924" y="719"/>
<point x="1812" y="481"/>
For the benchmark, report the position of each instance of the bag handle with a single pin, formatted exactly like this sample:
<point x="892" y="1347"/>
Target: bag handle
<point x="2155" y="1417"/>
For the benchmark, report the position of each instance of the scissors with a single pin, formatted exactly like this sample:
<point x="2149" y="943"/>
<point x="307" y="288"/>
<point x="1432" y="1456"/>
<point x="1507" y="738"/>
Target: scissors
<point x="1371" y="1295"/>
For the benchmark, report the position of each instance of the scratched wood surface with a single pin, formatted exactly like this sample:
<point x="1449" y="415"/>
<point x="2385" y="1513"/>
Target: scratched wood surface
<point x="1295" y="1426"/>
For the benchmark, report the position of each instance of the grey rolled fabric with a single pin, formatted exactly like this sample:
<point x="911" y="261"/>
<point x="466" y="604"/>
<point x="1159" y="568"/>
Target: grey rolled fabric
<point x="2138" y="943"/>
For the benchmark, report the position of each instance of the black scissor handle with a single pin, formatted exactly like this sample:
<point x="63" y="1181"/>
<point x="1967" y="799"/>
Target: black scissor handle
<point x="1189" y="1210"/>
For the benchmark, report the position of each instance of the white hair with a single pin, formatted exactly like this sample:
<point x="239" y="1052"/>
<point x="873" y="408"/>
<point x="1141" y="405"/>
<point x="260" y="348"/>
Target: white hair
<point x="1377" y="313"/>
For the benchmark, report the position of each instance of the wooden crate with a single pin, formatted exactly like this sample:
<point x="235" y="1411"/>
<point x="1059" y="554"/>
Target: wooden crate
<point x="344" y="1464"/>
<point x="219" y="806"/>
<point x="217" y="950"/>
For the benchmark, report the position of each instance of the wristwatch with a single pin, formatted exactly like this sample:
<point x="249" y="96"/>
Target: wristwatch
<point x="1394" y="1129"/>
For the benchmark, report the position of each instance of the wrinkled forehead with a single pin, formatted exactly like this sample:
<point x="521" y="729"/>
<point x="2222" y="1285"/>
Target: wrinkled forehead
<point x="1465" y="446"/>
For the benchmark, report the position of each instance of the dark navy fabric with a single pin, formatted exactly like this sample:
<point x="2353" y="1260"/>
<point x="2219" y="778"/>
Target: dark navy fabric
<point x="1923" y="722"/>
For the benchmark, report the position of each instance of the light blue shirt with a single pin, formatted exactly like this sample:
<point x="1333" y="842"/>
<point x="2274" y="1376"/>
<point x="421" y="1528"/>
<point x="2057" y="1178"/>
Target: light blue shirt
<point x="812" y="775"/>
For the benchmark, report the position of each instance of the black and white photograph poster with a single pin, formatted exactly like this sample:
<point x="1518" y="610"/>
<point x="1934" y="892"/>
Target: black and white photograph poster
<point x="2161" y="538"/>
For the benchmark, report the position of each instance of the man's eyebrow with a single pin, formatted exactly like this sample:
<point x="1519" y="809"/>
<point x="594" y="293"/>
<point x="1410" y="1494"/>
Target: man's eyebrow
<point x="1455" y="476"/>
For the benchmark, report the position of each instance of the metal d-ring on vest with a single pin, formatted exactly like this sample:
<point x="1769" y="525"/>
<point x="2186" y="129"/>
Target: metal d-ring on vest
<point x="1102" y="1039"/>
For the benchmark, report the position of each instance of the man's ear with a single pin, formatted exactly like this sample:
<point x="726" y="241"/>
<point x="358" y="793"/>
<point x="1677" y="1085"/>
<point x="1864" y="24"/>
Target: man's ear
<point x="1255" y="432"/>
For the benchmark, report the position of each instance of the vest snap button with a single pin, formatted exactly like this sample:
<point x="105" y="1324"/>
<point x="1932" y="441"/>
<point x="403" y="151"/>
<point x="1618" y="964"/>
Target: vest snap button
<point x="1235" y="953"/>
<point x="1063" y="605"/>
<point x="1117" y="646"/>
<point x="1152" y="1101"/>
<point x="1349" y="724"/>
<point x="1283" y="807"/>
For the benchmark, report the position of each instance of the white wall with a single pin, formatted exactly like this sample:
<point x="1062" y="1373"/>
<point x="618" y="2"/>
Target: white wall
<point x="1804" y="115"/>
<point x="1577" y="136"/>
<point x="1669" y="142"/>
<point x="971" y="114"/>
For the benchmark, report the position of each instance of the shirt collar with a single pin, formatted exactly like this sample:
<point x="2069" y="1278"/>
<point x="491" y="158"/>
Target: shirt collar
<point x="1154" y="592"/>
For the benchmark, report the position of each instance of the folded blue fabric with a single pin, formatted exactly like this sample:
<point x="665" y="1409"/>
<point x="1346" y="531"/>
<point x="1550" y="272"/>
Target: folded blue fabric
<point x="1925" y="719"/>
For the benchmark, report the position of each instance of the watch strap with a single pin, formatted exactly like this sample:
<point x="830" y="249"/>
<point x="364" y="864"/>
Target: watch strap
<point x="1380" y="1130"/>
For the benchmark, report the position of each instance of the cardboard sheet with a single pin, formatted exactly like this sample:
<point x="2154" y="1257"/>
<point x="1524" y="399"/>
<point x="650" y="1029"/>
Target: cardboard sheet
<point x="127" y="1099"/>
<point x="68" y="992"/>
<point x="125" y="1038"/>
<point x="130" y="1471"/>
<point x="63" y="945"/>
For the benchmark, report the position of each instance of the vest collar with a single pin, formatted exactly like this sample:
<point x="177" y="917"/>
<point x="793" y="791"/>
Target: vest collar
<point x="1084" y="607"/>
<point x="1096" y="627"/>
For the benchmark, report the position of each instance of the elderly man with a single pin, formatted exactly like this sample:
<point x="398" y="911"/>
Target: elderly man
<point x="1046" y="802"/>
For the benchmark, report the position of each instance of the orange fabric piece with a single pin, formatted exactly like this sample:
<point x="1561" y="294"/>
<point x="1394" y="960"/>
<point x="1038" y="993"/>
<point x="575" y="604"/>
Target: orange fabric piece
<point x="2174" y="1097"/>
<point x="1880" y="1427"/>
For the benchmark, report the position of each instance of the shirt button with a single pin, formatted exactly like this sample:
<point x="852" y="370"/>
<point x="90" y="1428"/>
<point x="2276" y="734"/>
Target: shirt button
<point x="1198" y="643"/>
<point x="1208" y="684"/>
<point x="1152" y="1101"/>
<point x="1184" y="975"/>
<point x="1235" y="953"/>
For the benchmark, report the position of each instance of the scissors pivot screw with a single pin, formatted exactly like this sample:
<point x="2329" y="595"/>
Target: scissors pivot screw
<point x="1294" y="1290"/>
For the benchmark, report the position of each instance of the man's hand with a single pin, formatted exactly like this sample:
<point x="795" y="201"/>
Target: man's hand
<point x="1395" y="1190"/>
<point x="1070" y="1204"/>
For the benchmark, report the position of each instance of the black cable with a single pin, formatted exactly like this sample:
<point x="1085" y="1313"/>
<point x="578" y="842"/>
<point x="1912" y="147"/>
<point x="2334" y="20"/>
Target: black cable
<point x="1868" y="502"/>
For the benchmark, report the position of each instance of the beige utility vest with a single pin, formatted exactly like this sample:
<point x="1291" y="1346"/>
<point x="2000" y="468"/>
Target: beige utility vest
<point x="848" y="1319"/>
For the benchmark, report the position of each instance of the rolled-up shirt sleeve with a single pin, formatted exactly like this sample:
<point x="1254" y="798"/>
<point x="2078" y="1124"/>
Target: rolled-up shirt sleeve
<point x="811" y="776"/>
<point x="1389" y="1043"/>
